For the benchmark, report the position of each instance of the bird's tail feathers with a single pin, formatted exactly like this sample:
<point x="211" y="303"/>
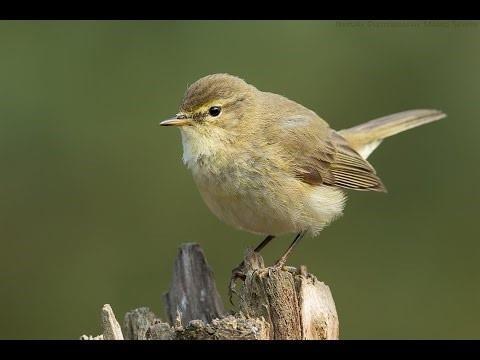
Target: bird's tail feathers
<point x="366" y="137"/>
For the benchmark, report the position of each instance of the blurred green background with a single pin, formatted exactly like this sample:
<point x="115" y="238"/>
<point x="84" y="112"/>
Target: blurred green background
<point x="94" y="198"/>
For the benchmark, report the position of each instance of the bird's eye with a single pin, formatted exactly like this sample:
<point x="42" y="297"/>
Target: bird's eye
<point x="215" y="110"/>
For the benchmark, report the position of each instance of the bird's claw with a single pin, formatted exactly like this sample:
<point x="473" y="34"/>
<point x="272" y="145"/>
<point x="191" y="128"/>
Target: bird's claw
<point x="279" y="265"/>
<point x="237" y="273"/>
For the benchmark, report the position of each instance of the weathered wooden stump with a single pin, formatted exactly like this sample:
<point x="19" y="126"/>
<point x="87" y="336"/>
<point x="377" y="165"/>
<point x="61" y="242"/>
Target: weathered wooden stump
<point x="273" y="304"/>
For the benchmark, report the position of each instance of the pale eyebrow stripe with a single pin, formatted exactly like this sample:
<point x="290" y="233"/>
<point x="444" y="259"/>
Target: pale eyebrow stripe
<point x="209" y="104"/>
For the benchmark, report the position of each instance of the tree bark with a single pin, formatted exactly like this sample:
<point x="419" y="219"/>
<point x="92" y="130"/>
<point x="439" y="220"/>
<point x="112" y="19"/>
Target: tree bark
<point x="193" y="294"/>
<point x="294" y="303"/>
<point x="273" y="303"/>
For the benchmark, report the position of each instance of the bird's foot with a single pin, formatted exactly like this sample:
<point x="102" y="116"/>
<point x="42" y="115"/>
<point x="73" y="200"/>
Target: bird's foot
<point x="279" y="264"/>
<point x="237" y="273"/>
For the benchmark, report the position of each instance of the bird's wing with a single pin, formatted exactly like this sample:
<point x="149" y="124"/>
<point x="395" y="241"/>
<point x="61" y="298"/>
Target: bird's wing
<point x="319" y="155"/>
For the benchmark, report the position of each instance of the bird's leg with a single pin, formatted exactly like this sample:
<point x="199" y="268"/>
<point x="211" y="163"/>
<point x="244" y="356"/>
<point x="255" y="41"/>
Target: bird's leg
<point x="264" y="243"/>
<point x="280" y="262"/>
<point x="238" y="272"/>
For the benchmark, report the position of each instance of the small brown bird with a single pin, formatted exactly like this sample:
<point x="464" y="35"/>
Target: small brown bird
<point x="268" y="165"/>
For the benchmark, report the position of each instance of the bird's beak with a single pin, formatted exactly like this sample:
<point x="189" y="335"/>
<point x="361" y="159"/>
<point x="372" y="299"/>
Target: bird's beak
<point x="179" y="120"/>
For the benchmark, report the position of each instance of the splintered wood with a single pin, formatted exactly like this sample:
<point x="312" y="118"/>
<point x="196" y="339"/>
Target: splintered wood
<point x="193" y="294"/>
<point x="294" y="303"/>
<point x="273" y="303"/>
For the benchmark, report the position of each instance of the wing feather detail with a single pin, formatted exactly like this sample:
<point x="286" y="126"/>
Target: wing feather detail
<point x="322" y="156"/>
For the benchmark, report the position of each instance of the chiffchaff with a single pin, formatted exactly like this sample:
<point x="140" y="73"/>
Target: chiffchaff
<point x="268" y="165"/>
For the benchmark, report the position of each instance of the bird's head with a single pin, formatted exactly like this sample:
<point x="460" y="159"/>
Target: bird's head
<point x="214" y="104"/>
